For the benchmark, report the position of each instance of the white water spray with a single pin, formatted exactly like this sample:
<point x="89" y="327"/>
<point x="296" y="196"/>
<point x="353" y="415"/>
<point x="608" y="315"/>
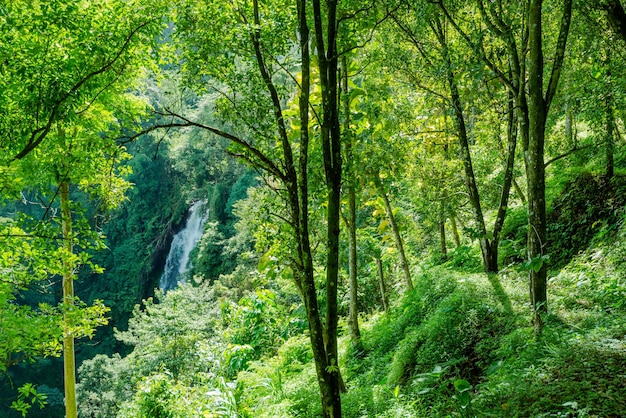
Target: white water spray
<point x="177" y="263"/>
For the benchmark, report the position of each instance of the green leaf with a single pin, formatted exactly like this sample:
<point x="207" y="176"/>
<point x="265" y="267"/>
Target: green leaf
<point x="462" y="385"/>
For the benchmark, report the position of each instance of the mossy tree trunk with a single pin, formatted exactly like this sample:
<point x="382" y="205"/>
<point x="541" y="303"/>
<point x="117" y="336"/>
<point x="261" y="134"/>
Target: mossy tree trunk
<point x="490" y="260"/>
<point x="538" y="108"/>
<point x="382" y="284"/>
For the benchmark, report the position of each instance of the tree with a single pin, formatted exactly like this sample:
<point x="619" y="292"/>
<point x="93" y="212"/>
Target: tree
<point x="404" y="265"/>
<point x="279" y="145"/>
<point x="538" y="108"/>
<point x="518" y="28"/>
<point x="58" y="58"/>
<point x="425" y="29"/>
<point x="65" y="75"/>
<point x="350" y="219"/>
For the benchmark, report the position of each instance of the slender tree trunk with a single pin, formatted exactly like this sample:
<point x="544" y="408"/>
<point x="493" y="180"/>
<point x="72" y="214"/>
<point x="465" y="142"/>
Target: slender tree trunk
<point x="442" y="231"/>
<point x="455" y="231"/>
<point x="535" y="167"/>
<point x="610" y="121"/>
<point x="382" y="285"/>
<point x="507" y="182"/>
<point x="519" y="191"/>
<point x="331" y="148"/>
<point x="350" y="174"/>
<point x="490" y="260"/>
<point x="69" y="363"/>
<point x="404" y="266"/>
<point x="538" y="107"/>
<point x="569" y="124"/>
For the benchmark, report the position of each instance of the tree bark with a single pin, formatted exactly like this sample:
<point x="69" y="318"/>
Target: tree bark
<point x="331" y="148"/>
<point x="442" y="231"/>
<point x="519" y="191"/>
<point x="69" y="363"/>
<point x="507" y="182"/>
<point x="525" y="81"/>
<point x="534" y="158"/>
<point x="538" y="107"/>
<point x="617" y="17"/>
<point x="404" y="266"/>
<point x="455" y="232"/>
<point x="350" y="175"/>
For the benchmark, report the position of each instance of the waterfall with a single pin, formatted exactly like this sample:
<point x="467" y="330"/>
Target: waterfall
<point x="177" y="263"/>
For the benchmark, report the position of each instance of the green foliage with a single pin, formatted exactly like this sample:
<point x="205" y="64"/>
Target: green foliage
<point x="514" y="231"/>
<point x="59" y="59"/>
<point x="588" y="205"/>
<point x="160" y="396"/>
<point x="27" y="332"/>
<point x="561" y="373"/>
<point x="257" y="325"/>
<point x="462" y="332"/>
<point x="103" y="386"/>
<point x="28" y="397"/>
<point x="451" y="347"/>
<point x="176" y="354"/>
<point x="137" y="236"/>
<point x="464" y="257"/>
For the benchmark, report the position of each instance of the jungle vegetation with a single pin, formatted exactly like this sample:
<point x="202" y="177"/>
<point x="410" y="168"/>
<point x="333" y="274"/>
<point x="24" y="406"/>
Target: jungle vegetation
<point x="414" y="208"/>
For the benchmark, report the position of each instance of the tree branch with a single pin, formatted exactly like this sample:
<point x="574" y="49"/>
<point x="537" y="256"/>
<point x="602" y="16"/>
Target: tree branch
<point x="38" y="135"/>
<point x="559" y="54"/>
<point x="566" y="154"/>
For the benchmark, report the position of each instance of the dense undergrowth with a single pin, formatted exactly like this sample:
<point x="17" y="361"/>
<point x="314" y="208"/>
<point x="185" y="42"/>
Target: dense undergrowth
<point x="459" y="345"/>
<point x="462" y="345"/>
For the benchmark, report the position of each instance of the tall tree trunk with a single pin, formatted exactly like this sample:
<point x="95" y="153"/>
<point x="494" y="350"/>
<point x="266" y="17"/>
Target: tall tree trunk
<point x="610" y="121"/>
<point x="535" y="164"/>
<point x="490" y="260"/>
<point x="382" y="285"/>
<point x="300" y="213"/>
<point x="538" y="107"/>
<point x="404" y="266"/>
<point x="350" y="175"/>
<point x="69" y="363"/>
<point x="331" y="148"/>
<point x="455" y="231"/>
<point x="508" y="180"/>
<point x="442" y="231"/>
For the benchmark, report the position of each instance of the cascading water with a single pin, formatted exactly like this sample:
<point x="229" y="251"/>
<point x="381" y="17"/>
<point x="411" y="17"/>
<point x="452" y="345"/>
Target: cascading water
<point x="177" y="263"/>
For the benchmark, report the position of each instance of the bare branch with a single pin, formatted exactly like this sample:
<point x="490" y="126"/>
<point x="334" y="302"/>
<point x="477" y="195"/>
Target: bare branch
<point x="566" y="154"/>
<point x="268" y="164"/>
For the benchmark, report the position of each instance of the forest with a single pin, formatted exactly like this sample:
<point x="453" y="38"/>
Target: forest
<point x="312" y="208"/>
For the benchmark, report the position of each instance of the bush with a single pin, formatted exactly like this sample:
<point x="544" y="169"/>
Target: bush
<point x="558" y="375"/>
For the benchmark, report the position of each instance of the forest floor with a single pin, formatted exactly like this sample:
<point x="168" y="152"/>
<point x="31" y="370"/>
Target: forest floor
<point x="462" y="344"/>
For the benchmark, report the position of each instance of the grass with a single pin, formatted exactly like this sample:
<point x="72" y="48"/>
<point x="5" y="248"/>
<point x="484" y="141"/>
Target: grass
<point x="458" y="326"/>
<point x="462" y="345"/>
